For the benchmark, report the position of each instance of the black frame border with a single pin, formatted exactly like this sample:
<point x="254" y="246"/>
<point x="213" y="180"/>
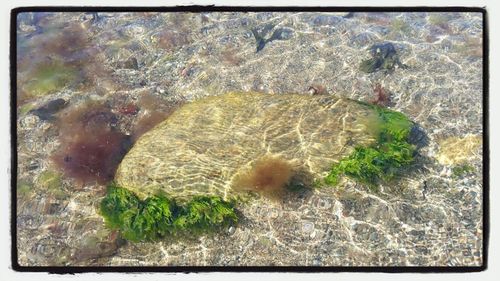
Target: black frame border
<point x="195" y="269"/>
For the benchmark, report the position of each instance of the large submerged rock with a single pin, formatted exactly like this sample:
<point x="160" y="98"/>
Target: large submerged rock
<point x="204" y="145"/>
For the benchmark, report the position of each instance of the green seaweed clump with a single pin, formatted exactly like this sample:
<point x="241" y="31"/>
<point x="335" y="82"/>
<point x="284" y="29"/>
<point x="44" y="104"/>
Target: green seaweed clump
<point x="383" y="160"/>
<point x="461" y="170"/>
<point x="51" y="182"/>
<point x="49" y="77"/>
<point x="158" y="216"/>
<point x="399" y="25"/>
<point x="438" y="19"/>
<point x="203" y="213"/>
<point x="24" y="189"/>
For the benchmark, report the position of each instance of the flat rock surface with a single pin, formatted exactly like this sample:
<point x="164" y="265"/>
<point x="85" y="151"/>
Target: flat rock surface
<point x="200" y="148"/>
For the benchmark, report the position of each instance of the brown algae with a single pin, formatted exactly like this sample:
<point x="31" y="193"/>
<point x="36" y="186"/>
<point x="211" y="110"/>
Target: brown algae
<point x="268" y="175"/>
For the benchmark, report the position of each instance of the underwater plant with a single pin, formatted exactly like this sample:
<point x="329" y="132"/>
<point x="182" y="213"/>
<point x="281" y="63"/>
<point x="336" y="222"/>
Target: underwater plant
<point x="58" y="55"/>
<point x="93" y="159"/>
<point x="278" y="34"/>
<point x="158" y="216"/>
<point x="24" y="189"/>
<point x="399" y="25"/>
<point x="440" y="20"/>
<point x="461" y="170"/>
<point x="90" y="159"/>
<point x="268" y="176"/>
<point x="51" y="182"/>
<point x="93" y="141"/>
<point x="116" y="203"/>
<point x="383" y="160"/>
<point x="202" y="213"/>
<point x="382" y="96"/>
<point x="47" y="77"/>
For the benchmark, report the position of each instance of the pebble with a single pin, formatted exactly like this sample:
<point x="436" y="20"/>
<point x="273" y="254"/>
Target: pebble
<point x="131" y="63"/>
<point x="327" y="20"/>
<point x="46" y="111"/>
<point x="33" y="165"/>
<point x="134" y="30"/>
<point x="324" y="204"/>
<point x="307" y="227"/>
<point x="274" y="213"/>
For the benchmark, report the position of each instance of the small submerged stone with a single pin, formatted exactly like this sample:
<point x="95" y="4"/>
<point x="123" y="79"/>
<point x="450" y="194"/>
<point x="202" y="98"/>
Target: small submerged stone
<point x="329" y="20"/>
<point x="47" y="111"/>
<point x="307" y="227"/>
<point x="382" y="96"/>
<point x="317" y="90"/>
<point x="130" y="63"/>
<point x="384" y="57"/>
<point x="129" y="109"/>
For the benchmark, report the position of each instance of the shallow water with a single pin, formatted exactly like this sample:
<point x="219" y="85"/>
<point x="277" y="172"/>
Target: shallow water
<point x="432" y="216"/>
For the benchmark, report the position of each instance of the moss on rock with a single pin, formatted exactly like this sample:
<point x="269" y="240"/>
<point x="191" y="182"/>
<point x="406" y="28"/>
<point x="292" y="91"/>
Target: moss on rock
<point x="383" y="160"/>
<point x="159" y="216"/>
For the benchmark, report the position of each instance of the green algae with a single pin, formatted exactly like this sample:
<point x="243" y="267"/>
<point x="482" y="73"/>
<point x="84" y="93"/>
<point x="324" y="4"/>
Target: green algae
<point x="50" y="179"/>
<point x="438" y="19"/>
<point x="383" y="160"/>
<point x="399" y="25"/>
<point x="461" y="170"/>
<point x="158" y="216"/>
<point x="52" y="182"/>
<point x="203" y="213"/>
<point x="378" y="63"/>
<point x="49" y="77"/>
<point x="25" y="108"/>
<point x="24" y="188"/>
<point x="370" y="65"/>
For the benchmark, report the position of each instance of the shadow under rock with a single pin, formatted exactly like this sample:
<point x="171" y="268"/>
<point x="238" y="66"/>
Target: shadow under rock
<point x="299" y="189"/>
<point x="418" y="137"/>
